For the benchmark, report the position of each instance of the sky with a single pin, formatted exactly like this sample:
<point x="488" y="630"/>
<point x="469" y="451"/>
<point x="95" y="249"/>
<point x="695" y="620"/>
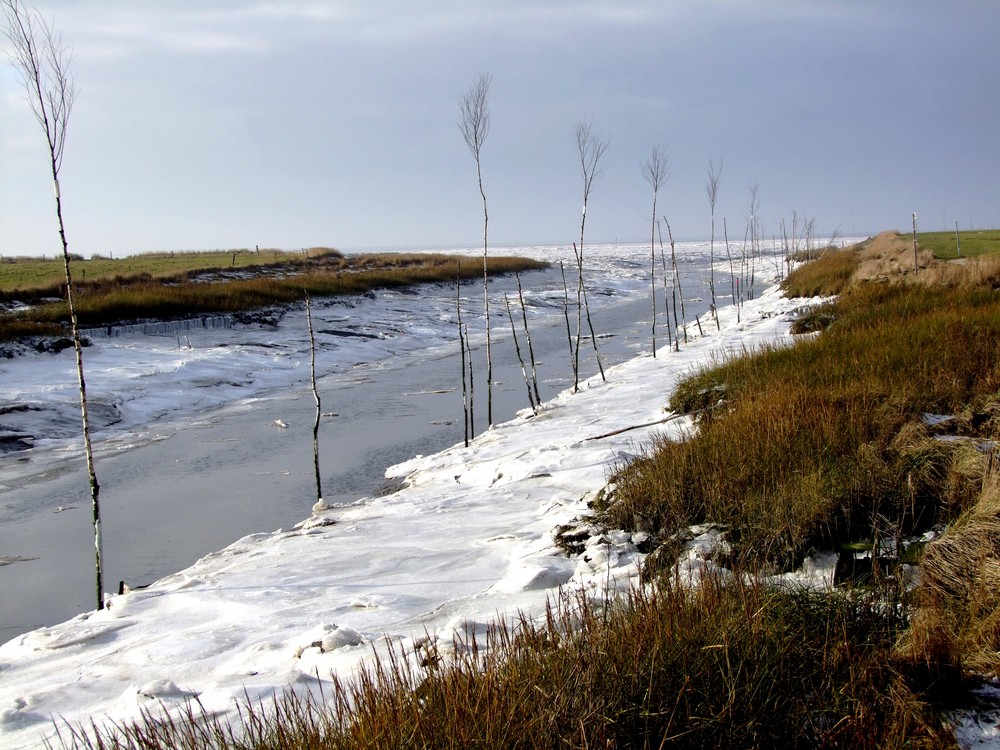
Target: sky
<point x="203" y="124"/>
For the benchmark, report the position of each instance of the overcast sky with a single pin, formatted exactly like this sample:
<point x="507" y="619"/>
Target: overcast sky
<point x="206" y="124"/>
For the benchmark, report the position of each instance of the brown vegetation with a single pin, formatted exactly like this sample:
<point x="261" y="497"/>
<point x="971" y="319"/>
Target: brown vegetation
<point x="127" y="298"/>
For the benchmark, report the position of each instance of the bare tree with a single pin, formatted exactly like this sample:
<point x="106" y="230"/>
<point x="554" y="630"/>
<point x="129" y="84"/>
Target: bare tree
<point x="712" y="189"/>
<point x="474" y="122"/>
<point x="656" y="170"/>
<point x="590" y="149"/>
<point x="42" y="63"/>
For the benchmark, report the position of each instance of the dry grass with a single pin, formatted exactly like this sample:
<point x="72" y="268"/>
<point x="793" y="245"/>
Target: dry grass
<point x="827" y="275"/>
<point x="813" y="446"/>
<point x="888" y="257"/>
<point x="957" y="620"/>
<point x="124" y="299"/>
<point x="729" y="665"/>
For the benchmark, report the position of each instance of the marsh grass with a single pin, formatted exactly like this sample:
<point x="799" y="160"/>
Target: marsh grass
<point x="727" y="665"/>
<point x="821" y="443"/>
<point x="123" y="299"/>
<point x="957" y="613"/>
<point x="826" y="275"/>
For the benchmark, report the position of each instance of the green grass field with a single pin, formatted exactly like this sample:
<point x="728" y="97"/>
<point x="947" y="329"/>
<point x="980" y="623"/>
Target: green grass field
<point x="35" y="273"/>
<point x="945" y="245"/>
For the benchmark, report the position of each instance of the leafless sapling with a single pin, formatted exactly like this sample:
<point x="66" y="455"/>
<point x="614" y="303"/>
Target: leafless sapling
<point x="41" y="59"/>
<point x="474" y="122"/>
<point x="656" y="170"/>
<point x="590" y="149"/>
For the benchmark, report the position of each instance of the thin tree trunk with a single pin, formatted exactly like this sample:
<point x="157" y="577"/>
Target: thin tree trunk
<point x="593" y="336"/>
<point x="320" y="505"/>
<point x="520" y="359"/>
<point x="581" y="297"/>
<point x="711" y="272"/>
<point x="461" y="345"/>
<point x="732" y="272"/>
<point x="579" y="319"/>
<point x="666" y="304"/>
<point x="652" y="273"/>
<point x="569" y="329"/>
<point x="486" y="307"/>
<point x="527" y="336"/>
<point x="677" y="280"/>
<point x="472" y="385"/>
<point x="95" y="488"/>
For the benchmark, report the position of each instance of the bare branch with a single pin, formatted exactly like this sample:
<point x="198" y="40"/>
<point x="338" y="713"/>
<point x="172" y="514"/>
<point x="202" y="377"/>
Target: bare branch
<point x="41" y="61"/>
<point x="474" y="112"/>
<point x="656" y="170"/>
<point x="591" y="148"/>
<point x="712" y="188"/>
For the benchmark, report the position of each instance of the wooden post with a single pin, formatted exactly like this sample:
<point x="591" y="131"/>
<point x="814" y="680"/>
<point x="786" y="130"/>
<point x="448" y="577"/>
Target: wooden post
<point x="958" y="242"/>
<point x="915" y="265"/>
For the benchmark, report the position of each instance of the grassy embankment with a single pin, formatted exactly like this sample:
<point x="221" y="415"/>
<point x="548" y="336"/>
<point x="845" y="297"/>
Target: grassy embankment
<point x="800" y="449"/>
<point x="164" y="286"/>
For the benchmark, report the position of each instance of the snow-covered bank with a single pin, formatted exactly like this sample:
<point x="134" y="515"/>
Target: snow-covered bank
<point x="467" y="537"/>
